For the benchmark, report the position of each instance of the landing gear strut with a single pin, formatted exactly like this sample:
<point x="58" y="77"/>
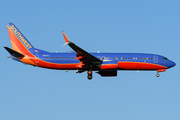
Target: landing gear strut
<point x="89" y="75"/>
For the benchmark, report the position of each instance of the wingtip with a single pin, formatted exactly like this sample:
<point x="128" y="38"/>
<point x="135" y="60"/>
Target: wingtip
<point x="67" y="40"/>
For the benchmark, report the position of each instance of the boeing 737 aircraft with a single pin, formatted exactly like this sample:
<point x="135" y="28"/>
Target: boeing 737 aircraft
<point x="105" y="64"/>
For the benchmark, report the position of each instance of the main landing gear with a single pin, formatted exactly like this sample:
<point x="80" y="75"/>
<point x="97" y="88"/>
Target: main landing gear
<point x="89" y="74"/>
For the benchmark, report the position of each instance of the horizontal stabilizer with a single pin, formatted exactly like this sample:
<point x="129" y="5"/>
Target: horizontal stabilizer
<point x="13" y="52"/>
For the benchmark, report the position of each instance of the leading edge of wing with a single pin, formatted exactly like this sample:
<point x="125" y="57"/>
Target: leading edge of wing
<point x="82" y="55"/>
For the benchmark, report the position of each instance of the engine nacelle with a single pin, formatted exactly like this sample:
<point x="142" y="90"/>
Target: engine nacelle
<point x="108" y="73"/>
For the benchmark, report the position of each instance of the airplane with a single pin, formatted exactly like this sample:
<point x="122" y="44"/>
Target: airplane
<point x="105" y="64"/>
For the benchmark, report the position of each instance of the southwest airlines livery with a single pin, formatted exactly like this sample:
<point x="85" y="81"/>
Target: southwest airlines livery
<point x="105" y="64"/>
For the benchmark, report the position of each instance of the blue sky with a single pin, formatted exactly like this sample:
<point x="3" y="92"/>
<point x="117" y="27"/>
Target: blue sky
<point x="141" y="26"/>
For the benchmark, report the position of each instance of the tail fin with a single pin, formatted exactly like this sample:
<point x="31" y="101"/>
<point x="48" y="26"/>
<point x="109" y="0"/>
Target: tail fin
<point x="18" y="41"/>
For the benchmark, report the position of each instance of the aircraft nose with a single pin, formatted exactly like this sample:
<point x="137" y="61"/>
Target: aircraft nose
<point x="172" y="64"/>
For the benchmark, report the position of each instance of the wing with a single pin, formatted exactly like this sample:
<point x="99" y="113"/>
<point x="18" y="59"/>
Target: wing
<point x="82" y="55"/>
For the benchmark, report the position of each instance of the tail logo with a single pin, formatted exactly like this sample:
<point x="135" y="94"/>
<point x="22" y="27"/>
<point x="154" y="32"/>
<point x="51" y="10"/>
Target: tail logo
<point x="20" y="37"/>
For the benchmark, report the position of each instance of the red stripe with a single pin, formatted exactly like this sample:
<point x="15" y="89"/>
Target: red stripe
<point x="109" y="67"/>
<point x="139" y="66"/>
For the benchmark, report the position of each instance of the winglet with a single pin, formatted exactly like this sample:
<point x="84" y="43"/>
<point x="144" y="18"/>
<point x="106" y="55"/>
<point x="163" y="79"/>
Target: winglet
<point x="67" y="40"/>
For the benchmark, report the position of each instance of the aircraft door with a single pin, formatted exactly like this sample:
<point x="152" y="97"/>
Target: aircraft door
<point x="37" y="58"/>
<point x="155" y="59"/>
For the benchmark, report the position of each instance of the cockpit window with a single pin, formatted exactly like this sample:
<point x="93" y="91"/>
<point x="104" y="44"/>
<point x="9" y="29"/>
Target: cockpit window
<point x="164" y="58"/>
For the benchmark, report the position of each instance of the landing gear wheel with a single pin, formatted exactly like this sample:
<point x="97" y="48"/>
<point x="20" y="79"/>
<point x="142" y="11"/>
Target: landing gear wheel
<point x="89" y="75"/>
<point x="157" y="75"/>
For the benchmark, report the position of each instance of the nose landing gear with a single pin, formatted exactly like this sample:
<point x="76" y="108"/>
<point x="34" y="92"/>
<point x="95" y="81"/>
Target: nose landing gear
<point x="160" y="70"/>
<point x="157" y="75"/>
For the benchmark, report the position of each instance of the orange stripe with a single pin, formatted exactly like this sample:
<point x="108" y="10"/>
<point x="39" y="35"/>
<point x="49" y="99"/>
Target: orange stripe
<point x="15" y="47"/>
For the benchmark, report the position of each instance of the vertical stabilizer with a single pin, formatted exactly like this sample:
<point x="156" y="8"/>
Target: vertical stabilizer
<point x="18" y="41"/>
